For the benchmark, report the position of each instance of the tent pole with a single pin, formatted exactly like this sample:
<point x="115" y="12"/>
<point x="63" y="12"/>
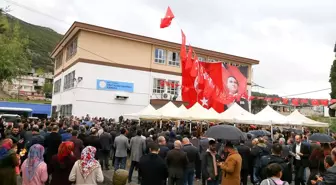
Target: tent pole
<point x="190" y="127"/>
<point x="272" y="133"/>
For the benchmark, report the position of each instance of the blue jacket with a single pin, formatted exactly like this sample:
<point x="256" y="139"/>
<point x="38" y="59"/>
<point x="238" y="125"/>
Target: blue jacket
<point x="66" y="136"/>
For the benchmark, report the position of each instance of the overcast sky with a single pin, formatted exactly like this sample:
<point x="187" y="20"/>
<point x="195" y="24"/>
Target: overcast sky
<point x="293" y="40"/>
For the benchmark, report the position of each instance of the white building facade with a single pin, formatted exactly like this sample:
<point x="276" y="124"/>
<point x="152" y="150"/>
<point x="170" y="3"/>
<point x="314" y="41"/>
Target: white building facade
<point x="110" y="91"/>
<point x="108" y="73"/>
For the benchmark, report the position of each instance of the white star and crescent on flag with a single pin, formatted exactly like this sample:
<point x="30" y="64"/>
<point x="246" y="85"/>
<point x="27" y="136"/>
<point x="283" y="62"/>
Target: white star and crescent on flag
<point x="204" y="102"/>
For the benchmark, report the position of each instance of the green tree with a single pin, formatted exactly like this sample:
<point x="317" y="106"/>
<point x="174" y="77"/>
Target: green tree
<point x="40" y="71"/>
<point x="332" y="80"/>
<point x="14" y="56"/>
<point x="2" y="24"/>
<point x="47" y="88"/>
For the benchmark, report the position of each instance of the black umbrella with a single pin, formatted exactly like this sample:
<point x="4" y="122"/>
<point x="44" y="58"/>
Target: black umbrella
<point x="322" y="138"/>
<point x="296" y="131"/>
<point x="259" y="133"/>
<point x="225" y="132"/>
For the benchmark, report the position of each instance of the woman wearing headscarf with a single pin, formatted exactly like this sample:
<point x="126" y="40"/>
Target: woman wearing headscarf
<point x="8" y="162"/>
<point x="34" y="169"/>
<point x="62" y="163"/>
<point x="87" y="170"/>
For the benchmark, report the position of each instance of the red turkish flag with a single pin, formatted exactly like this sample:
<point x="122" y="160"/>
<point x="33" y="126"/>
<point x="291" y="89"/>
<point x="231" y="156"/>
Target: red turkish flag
<point x="206" y="93"/>
<point x="332" y="101"/>
<point x="162" y="83"/>
<point x="295" y="102"/>
<point x="324" y="102"/>
<point x="189" y="61"/>
<point x="268" y="98"/>
<point x="201" y="74"/>
<point x="194" y="71"/>
<point x="166" y="21"/>
<point x="285" y="100"/>
<point x="183" y="51"/>
<point x="315" y="102"/>
<point x="304" y="101"/>
<point x="251" y="98"/>
<point x="276" y="99"/>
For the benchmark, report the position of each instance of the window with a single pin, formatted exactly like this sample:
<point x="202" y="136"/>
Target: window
<point x="69" y="81"/>
<point x="66" y="110"/>
<point x="173" y="87"/>
<point x="158" y="86"/>
<point x="173" y="59"/>
<point x="211" y="60"/>
<point x="57" y="86"/>
<point x="59" y="60"/>
<point x="160" y="56"/>
<point x="71" y="49"/>
<point x="201" y="59"/>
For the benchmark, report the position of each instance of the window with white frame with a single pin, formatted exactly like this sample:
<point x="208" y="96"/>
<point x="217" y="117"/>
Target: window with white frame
<point x="158" y="86"/>
<point x="59" y="60"/>
<point x="57" y="86"/>
<point x="211" y="60"/>
<point x="69" y="80"/>
<point x="160" y="56"/>
<point x="173" y="59"/>
<point x="71" y="49"/>
<point x="66" y="110"/>
<point x="172" y="87"/>
<point x="201" y="59"/>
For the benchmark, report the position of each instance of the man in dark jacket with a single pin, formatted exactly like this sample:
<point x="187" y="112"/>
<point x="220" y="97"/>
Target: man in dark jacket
<point x="52" y="142"/>
<point x="275" y="157"/>
<point x="36" y="139"/>
<point x="329" y="177"/>
<point x="152" y="168"/>
<point x="15" y="135"/>
<point x="177" y="162"/>
<point x="106" y="145"/>
<point x="210" y="170"/>
<point x="258" y="152"/>
<point x="301" y="159"/>
<point x="194" y="162"/>
<point x="244" y="152"/>
<point x="163" y="147"/>
<point x="79" y="146"/>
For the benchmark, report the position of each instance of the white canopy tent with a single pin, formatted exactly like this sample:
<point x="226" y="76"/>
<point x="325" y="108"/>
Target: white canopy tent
<point x="269" y="116"/>
<point x="197" y="112"/>
<point x="168" y="111"/>
<point x="236" y="114"/>
<point x="296" y="118"/>
<point x="148" y="112"/>
<point x="182" y="108"/>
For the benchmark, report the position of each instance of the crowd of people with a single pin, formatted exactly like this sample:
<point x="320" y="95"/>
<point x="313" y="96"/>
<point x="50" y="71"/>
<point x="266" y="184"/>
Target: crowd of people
<point x="77" y="151"/>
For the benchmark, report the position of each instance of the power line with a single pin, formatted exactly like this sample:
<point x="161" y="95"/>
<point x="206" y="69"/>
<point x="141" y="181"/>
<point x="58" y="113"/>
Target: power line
<point x="309" y="92"/>
<point x="62" y="21"/>
<point x="36" y="11"/>
<point x="68" y="24"/>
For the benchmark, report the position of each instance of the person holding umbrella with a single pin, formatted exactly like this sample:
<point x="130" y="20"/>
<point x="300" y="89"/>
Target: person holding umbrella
<point x="231" y="167"/>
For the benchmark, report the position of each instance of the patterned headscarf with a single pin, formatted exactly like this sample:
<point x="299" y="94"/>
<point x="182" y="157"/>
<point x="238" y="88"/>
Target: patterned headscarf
<point x="88" y="163"/>
<point x="65" y="149"/>
<point x="6" y="145"/>
<point x="35" y="158"/>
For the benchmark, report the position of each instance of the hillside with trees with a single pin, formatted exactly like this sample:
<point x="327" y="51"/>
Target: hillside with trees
<point x="41" y="41"/>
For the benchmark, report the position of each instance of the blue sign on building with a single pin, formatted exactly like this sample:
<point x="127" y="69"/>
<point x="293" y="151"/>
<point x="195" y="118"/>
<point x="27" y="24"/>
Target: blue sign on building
<point x="115" y="86"/>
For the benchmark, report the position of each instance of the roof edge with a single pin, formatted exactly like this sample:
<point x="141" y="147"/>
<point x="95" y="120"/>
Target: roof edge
<point x="146" y="39"/>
